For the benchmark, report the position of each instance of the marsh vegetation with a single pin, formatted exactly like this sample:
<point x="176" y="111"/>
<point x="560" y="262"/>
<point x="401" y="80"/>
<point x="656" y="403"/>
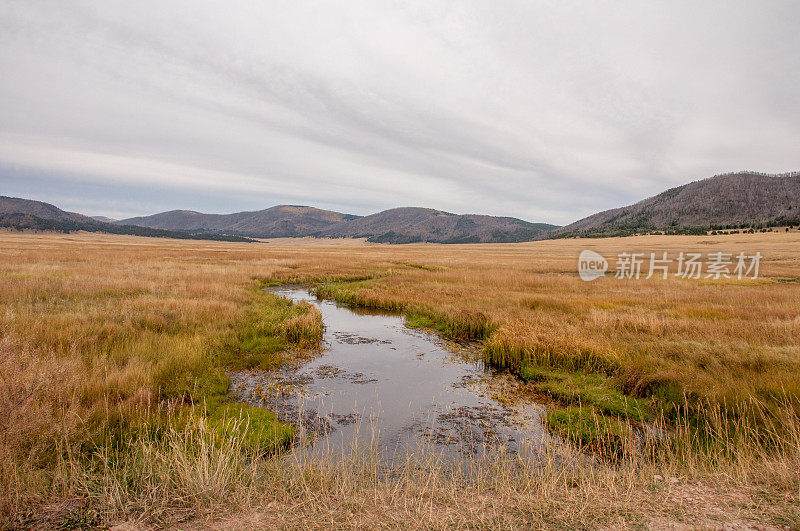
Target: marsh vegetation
<point x="114" y="391"/>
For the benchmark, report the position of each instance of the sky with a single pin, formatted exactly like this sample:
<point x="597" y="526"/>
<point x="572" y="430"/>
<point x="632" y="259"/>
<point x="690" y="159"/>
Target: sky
<point x="546" y="111"/>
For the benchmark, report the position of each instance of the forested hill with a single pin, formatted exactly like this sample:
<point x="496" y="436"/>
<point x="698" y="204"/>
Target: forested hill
<point x="734" y="200"/>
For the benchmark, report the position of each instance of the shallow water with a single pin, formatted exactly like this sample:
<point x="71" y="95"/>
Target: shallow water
<point x="380" y="384"/>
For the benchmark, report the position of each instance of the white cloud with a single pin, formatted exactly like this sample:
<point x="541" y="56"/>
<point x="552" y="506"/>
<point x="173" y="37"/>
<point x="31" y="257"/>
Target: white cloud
<point x="547" y="110"/>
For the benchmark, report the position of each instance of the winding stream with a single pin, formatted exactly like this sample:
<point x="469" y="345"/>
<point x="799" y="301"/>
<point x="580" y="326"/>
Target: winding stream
<point x="379" y="384"/>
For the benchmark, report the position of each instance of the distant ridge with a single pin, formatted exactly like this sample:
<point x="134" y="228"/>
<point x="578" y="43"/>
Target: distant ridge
<point x="16" y="205"/>
<point x="27" y="214"/>
<point x="730" y="200"/>
<point x="414" y="224"/>
<point x="398" y="225"/>
<point x="282" y="221"/>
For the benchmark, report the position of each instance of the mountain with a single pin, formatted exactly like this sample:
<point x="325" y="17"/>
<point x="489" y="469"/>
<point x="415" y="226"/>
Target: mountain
<point x="277" y="222"/>
<point x="733" y="200"/>
<point x="104" y="219"/>
<point x="410" y="224"/>
<point x="27" y="214"/>
<point x="16" y="205"/>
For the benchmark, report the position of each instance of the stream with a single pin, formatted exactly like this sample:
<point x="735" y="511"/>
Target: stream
<point x="379" y="384"/>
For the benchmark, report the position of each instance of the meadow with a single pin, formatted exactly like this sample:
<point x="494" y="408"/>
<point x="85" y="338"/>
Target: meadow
<point x="114" y="394"/>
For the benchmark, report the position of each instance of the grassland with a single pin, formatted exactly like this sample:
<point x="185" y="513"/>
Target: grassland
<point x="113" y="387"/>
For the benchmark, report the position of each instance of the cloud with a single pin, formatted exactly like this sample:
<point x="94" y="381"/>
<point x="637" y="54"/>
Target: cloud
<point x="546" y="111"/>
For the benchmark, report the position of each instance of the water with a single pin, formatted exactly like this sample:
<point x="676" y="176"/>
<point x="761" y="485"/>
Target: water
<point x="382" y="385"/>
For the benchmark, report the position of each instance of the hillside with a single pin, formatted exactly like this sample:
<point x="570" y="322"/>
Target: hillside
<point x="16" y="205"/>
<point x="277" y="222"/>
<point x="409" y="224"/>
<point x="27" y="214"/>
<point x="745" y="199"/>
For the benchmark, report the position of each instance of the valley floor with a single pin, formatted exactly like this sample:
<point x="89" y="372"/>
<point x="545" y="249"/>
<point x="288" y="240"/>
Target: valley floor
<point x="113" y="386"/>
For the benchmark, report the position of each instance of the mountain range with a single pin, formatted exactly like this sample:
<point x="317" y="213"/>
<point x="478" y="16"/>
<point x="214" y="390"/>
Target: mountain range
<point x="734" y="200"/>
<point x="27" y="214"/>
<point x="398" y="225"/>
<point x="410" y="224"/>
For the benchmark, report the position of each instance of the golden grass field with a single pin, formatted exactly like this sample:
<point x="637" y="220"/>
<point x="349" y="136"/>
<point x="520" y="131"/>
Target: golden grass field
<point x="113" y="405"/>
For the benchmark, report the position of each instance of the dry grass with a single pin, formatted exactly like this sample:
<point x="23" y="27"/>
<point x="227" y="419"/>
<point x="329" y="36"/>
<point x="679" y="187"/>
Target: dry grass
<point x="111" y="349"/>
<point x="190" y="479"/>
<point x="721" y="340"/>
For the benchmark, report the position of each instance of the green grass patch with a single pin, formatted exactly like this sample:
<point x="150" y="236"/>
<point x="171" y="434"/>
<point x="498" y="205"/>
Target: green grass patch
<point x="271" y="325"/>
<point x="264" y="434"/>
<point x="416" y="320"/>
<point x="193" y="372"/>
<point x="590" y="429"/>
<point x="189" y="371"/>
<point x="590" y="389"/>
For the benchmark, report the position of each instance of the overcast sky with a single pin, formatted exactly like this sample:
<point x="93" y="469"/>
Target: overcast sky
<point x="548" y="111"/>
